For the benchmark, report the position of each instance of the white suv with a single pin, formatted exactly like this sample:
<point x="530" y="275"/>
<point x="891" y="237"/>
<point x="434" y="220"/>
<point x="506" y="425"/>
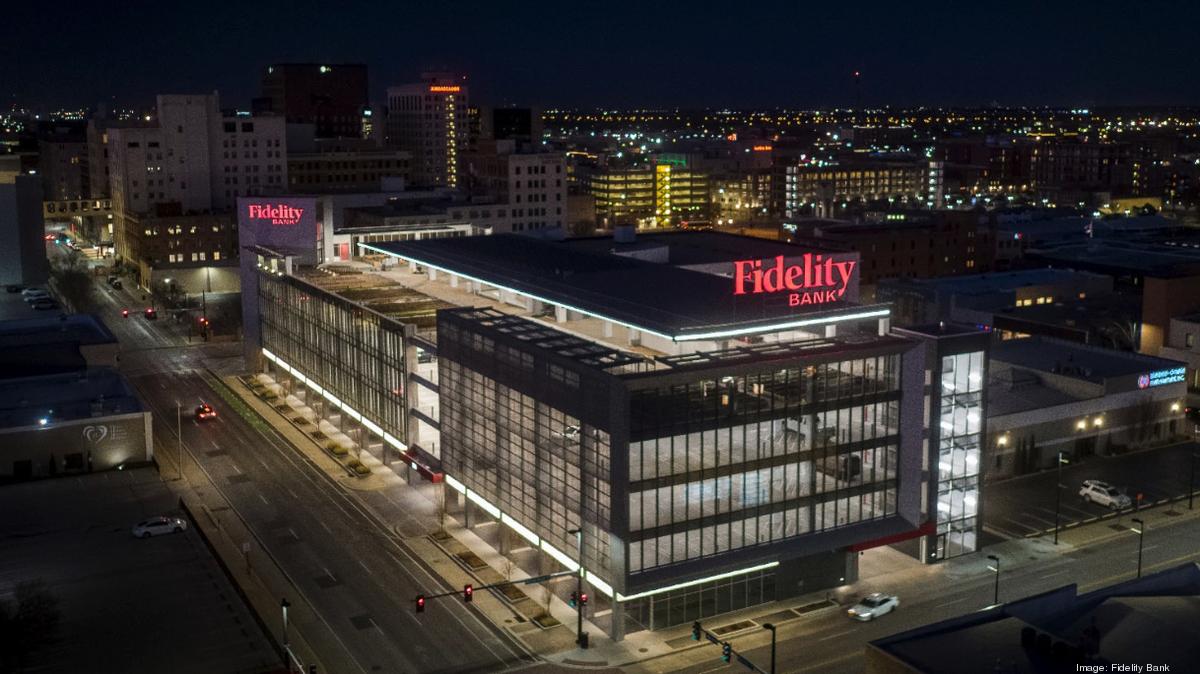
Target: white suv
<point x="1103" y="493"/>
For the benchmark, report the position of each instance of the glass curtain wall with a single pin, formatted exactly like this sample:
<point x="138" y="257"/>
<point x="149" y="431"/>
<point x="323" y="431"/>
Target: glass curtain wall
<point x="728" y="462"/>
<point x="960" y="423"/>
<point x="354" y="354"/>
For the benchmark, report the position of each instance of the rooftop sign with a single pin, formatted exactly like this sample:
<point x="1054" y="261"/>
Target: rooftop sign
<point x="276" y="214"/>
<point x="813" y="279"/>
<point x="1162" y="377"/>
<point x="444" y="88"/>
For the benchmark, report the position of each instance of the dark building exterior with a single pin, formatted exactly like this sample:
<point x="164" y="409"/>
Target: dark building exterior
<point x="331" y="97"/>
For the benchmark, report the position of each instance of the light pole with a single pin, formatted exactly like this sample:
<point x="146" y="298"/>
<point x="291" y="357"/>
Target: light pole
<point x="1058" y="494"/>
<point x="769" y="626"/>
<point x="995" y="568"/>
<point x="284" y="604"/>
<point x="579" y="589"/>
<point x="1140" y="530"/>
<point x="1192" y="478"/>
<point x="179" y="437"/>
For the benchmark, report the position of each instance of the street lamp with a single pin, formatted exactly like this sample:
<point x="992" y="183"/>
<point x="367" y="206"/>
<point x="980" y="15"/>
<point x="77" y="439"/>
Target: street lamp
<point x="769" y="626"/>
<point x="1140" y="531"/>
<point x="579" y="638"/>
<point x="284" y="604"/>
<point x="1058" y="495"/>
<point x="1192" y="479"/>
<point x="995" y="568"/>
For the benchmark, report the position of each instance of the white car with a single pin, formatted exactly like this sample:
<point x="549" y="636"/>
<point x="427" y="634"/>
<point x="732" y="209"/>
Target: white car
<point x="33" y="291"/>
<point x="874" y="605"/>
<point x="37" y="294"/>
<point x="157" y="526"/>
<point x="1103" y="493"/>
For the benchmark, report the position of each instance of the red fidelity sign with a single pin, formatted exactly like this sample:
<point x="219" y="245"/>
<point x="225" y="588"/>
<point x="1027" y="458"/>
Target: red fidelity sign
<point x="277" y="214"/>
<point x="816" y="279"/>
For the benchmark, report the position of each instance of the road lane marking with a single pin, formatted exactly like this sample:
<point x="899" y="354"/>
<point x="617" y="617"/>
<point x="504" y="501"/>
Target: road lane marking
<point x="1054" y="573"/>
<point x="364" y="566"/>
<point x="263" y="499"/>
<point x="950" y="603"/>
<point x="835" y="635"/>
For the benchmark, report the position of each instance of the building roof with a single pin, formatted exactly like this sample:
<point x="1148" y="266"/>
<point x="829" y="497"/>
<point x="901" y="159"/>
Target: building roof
<point x="693" y="247"/>
<point x="661" y="299"/>
<point x="65" y="397"/>
<point x="1149" y="619"/>
<point x="1073" y="359"/>
<point x="1124" y="258"/>
<point x="81" y="329"/>
<point x="997" y="282"/>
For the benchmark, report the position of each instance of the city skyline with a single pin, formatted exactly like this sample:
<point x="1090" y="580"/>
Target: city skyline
<point x="778" y="55"/>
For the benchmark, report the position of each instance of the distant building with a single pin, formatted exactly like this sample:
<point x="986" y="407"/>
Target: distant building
<point x="906" y="244"/>
<point x="1047" y="396"/>
<point x="331" y="97"/>
<point x="534" y="185"/>
<point x="63" y="160"/>
<point x="1076" y="171"/>
<point x="521" y="125"/>
<point x="660" y="195"/>
<point x="175" y="182"/>
<point x="1183" y="344"/>
<point x="824" y="191"/>
<point x="22" y="248"/>
<point x="330" y="166"/>
<point x="429" y="120"/>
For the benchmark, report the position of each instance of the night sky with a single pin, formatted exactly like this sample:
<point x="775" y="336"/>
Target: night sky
<point x="621" y="54"/>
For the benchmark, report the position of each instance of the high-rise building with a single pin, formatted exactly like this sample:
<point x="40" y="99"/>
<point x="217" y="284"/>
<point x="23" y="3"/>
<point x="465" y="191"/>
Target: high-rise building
<point x="332" y="97"/>
<point x="22" y="252"/>
<point x="429" y="119"/>
<point x="175" y="181"/>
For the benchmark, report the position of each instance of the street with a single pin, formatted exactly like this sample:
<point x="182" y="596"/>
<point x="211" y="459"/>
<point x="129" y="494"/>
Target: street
<point x="1025" y="505"/>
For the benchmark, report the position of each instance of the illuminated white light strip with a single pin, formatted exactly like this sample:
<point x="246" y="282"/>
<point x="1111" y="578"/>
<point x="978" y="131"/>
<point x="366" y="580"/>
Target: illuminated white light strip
<point x="350" y="411"/>
<point x="678" y="338"/>
<point x="690" y="583"/>
<point x="455" y="484"/>
<point x="520" y="529"/>
<point x="604" y="587"/>
<point x="483" y="503"/>
<point x="560" y="557"/>
<point x="784" y="326"/>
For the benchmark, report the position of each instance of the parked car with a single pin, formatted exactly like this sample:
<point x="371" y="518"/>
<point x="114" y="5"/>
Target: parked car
<point x="35" y="296"/>
<point x="28" y="292"/>
<point x="158" y="526"/>
<point x="150" y="314"/>
<point x="116" y="285"/>
<point x="14" y="288"/>
<point x="1105" y="494"/>
<point x="205" y="411"/>
<point x="43" y="304"/>
<point x="874" y="605"/>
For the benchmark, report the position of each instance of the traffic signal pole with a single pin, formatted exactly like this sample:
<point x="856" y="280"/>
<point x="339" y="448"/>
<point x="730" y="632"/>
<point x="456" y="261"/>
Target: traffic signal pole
<point x="727" y="652"/>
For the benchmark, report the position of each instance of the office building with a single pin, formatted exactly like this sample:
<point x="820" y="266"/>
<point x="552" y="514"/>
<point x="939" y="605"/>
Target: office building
<point x="718" y="415"/>
<point x="63" y="160"/>
<point x="429" y="120"/>
<point x="331" y="97"/>
<point x="22" y="248"/>
<point x="826" y="191"/>
<point x="175" y="182"/>
<point x="533" y="185"/>
<point x="1183" y="344"/>
<point x="659" y="195"/>
<point x="342" y="166"/>
<point x="1048" y="396"/>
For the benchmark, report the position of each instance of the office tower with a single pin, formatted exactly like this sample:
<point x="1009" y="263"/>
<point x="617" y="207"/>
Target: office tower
<point x="429" y="119"/>
<point x="331" y="97"/>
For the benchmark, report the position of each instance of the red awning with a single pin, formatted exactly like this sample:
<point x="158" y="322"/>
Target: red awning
<point x="923" y="530"/>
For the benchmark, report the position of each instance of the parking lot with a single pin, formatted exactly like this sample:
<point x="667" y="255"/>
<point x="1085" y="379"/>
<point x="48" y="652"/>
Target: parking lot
<point x="160" y="604"/>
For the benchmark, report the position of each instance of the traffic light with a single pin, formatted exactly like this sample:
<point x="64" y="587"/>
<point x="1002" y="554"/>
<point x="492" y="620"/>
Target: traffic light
<point x="726" y="651"/>
<point x="420" y="603"/>
<point x="468" y="593"/>
<point x="574" y="600"/>
<point x="696" y="631"/>
<point x="583" y="599"/>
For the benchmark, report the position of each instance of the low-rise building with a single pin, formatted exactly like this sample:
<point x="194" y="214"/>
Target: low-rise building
<point x="1047" y="396"/>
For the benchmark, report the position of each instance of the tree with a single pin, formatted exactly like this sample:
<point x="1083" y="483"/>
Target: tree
<point x="71" y="279"/>
<point x="27" y="624"/>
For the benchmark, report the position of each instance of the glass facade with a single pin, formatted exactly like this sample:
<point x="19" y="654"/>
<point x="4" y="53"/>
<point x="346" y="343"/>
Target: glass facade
<point x="959" y="427"/>
<point x="702" y="600"/>
<point x="525" y="433"/>
<point x="354" y="354"/>
<point x="721" y="463"/>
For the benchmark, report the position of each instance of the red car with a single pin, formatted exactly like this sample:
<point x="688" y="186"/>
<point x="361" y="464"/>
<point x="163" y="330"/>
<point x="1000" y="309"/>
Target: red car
<point x="205" y="411"/>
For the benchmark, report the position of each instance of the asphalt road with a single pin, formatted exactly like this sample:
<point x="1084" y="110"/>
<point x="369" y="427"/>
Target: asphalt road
<point x="1025" y="505"/>
<point x="350" y="567"/>
<point x="832" y="643"/>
